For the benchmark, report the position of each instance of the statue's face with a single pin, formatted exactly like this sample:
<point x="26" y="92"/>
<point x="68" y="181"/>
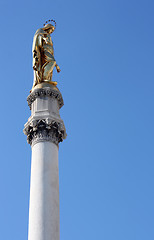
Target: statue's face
<point x="50" y="30"/>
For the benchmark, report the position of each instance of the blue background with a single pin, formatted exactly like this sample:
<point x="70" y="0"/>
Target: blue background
<point x="105" y="51"/>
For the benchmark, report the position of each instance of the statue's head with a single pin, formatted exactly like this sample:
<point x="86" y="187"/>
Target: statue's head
<point x="48" y="27"/>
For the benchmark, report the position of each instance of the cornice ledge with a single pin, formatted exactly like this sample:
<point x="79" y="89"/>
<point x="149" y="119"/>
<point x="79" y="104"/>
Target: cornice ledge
<point x="45" y="92"/>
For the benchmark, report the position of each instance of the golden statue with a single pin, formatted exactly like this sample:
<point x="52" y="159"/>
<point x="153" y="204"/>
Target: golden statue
<point x="43" y="54"/>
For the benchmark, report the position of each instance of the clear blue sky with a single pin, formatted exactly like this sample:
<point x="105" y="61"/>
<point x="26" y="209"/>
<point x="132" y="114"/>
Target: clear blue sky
<point x="105" y="49"/>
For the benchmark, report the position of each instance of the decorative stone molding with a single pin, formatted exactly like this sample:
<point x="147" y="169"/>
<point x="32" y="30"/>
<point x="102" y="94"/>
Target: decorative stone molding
<point x="44" y="130"/>
<point x="43" y="92"/>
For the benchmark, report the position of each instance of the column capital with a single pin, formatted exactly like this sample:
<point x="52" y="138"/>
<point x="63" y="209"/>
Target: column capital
<point x="44" y="130"/>
<point x="45" y="123"/>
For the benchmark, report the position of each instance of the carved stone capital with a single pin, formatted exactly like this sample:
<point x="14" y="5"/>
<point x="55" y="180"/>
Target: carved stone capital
<point x="44" y="130"/>
<point x="46" y="91"/>
<point x="45" y="123"/>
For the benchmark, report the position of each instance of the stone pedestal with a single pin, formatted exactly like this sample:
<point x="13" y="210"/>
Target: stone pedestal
<point x="44" y="130"/>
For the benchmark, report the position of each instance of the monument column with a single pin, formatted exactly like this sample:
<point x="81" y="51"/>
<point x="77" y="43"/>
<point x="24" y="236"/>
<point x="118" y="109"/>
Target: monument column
<point x="44" y="130"/>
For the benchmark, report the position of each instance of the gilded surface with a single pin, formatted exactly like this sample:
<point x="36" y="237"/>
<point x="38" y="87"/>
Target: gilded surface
<point x="43" y="55"/>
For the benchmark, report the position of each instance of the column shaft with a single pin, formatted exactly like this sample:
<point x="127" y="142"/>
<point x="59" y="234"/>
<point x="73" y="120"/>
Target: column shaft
<point x="44" y="192"/>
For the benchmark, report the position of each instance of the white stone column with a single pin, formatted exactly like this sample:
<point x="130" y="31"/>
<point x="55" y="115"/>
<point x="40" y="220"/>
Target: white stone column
<point x="44" y="131"/>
